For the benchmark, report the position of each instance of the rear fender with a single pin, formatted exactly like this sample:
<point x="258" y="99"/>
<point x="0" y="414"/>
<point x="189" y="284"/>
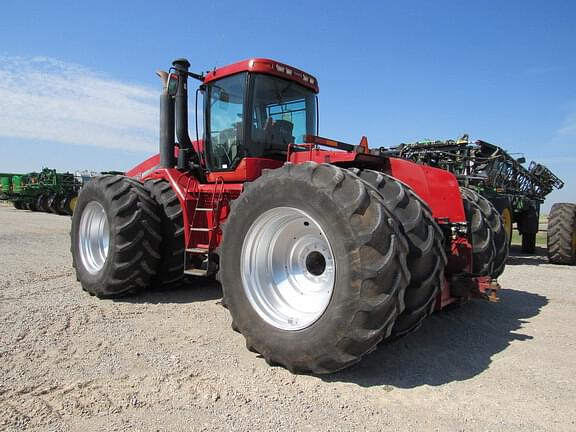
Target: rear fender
<point x="439" y="188"/>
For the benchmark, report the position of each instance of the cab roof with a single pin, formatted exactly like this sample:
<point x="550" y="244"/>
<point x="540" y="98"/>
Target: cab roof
<point x="266" y="66"/>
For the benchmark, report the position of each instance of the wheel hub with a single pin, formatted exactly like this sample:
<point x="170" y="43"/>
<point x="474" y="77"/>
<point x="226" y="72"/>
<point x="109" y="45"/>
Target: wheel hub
<point x="315" y="263"/>
<point x="94" y="237"/>
<point x="287" y="268"/>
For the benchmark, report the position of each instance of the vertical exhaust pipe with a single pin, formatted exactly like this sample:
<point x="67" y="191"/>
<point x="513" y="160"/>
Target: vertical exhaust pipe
<point x="187" y="152"/>
<point x="166" y="124"/>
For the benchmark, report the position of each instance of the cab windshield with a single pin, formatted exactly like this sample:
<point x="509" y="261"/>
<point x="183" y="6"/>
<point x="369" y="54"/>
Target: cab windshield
<point x="274" y="114"/>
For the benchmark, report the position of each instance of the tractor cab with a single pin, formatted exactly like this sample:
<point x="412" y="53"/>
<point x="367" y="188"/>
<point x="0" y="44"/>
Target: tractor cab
<point x="256" y="115"/>
<point x="253" y="112"/>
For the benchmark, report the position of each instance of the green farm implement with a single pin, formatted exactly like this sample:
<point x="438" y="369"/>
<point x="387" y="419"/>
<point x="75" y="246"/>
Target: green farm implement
<point x="515" y="190"/>
<point x="47" y="191"/>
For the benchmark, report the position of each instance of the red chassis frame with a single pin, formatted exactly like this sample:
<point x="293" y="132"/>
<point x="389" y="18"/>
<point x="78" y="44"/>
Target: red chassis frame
<point x="206" y="205"/>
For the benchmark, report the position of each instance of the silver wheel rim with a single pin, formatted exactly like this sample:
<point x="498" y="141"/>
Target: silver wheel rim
<point x="94" y="237"/>
<point x="287" y="268"/>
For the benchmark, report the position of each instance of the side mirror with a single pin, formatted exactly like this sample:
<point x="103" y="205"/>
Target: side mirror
<point x="521" y="160"/>
<point x="172" y="84"/>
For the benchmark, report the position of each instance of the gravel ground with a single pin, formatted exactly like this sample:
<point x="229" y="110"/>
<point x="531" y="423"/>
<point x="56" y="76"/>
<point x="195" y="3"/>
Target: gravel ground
<point x="168" y="361"/>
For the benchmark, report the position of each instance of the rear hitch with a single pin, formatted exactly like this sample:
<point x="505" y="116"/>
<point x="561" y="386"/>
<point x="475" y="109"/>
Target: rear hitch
<point x="487" y="289"/>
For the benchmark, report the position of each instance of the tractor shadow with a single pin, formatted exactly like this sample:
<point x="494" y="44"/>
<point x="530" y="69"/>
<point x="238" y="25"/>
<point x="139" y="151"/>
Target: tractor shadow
<point x="453" y="345"/>
<point x="516" y="257"/>
<point x="190" y="290"/>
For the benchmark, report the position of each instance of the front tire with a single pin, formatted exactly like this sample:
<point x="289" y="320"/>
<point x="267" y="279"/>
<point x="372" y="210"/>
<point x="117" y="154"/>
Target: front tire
<point x="336" y="265"/>
<point x="115" y="236"/>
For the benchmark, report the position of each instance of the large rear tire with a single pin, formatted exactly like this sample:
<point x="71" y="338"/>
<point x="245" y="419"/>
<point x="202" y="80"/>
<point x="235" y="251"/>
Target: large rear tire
<point x="313" y="267"/>
<point x="171" y="265"/>
<point x="115" y="236"/>
<point x="562" y="234"/>
<point x="426" y="255"/>
<point x="489" y="239"/>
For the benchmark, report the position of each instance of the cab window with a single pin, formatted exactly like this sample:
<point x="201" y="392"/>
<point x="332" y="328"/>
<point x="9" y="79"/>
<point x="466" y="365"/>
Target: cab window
<point x="224" y="121"/>
<point x="283" y="113"/>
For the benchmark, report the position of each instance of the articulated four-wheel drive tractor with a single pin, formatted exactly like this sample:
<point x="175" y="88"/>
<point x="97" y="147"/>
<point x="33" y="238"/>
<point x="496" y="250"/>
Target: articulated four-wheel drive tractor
<point x="323" y="249"/>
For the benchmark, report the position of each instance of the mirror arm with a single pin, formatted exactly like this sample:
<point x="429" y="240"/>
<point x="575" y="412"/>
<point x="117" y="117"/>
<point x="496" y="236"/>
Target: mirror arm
<point x="199" y="77"/>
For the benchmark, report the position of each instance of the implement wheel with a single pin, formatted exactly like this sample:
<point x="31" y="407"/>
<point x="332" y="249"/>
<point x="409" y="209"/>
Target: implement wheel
<point x="426" y="256"/>
<point x="42" y="203"/>
<point x="54" y="204"/>
<point x="504" y="207"/>
<point x="115" y="236"/>
<point x="507" y="222"/>
<point x="562" y="234"/>
<point x="313" y="267"/>
<point x="33" y="205"/>
<point x="68" y="203"/>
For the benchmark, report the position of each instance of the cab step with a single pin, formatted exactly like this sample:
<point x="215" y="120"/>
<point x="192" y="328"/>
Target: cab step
<point x="196" y="272"/>
<point x="198" y="250"/>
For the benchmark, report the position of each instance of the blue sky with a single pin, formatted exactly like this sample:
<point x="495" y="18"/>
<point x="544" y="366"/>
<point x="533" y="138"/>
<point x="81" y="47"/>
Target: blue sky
<point x="78" y="89"/>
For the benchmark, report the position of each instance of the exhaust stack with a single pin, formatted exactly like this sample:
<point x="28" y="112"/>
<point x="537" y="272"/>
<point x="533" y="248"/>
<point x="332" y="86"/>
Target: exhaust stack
<point x="166" y="124"/>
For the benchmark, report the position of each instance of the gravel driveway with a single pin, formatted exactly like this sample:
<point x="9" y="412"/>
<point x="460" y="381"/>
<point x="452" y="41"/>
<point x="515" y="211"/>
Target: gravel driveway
<point x="168" y="361"/>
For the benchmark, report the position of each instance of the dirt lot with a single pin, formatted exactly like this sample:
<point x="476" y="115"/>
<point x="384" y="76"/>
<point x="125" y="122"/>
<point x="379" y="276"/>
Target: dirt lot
<point x="169" y="361"/>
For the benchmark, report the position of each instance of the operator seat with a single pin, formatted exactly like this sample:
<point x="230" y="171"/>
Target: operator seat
<point x="278" y="135"/>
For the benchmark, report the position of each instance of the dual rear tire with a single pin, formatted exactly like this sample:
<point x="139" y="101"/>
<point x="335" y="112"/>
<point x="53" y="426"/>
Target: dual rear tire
<point x="115" y="236"/>
<point x="490" y="243"/>
<point x="326" y="278"/>
<point x="313" y="267"/>
<point x="426" y="256"/>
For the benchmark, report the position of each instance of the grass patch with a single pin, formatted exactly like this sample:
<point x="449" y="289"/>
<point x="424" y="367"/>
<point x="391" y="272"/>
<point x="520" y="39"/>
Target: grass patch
<point x="540" y="238"/>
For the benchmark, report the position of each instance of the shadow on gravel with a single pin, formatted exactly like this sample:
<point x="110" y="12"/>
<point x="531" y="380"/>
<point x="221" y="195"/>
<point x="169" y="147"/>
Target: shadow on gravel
<point x="191" y="290"/>
<point x="453" y="345"/>
<point x="516" y="257"/>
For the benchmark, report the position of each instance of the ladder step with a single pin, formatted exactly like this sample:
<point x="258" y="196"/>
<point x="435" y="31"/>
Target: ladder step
<point x="196" y="272"/>
<point x="204" y="209"/>
<point x="198" y="250"/>
<point x="201" y="229"/>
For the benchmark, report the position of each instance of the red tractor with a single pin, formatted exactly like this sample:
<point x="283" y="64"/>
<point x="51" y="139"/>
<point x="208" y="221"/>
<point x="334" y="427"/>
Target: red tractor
<point x="323" y="249"/>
